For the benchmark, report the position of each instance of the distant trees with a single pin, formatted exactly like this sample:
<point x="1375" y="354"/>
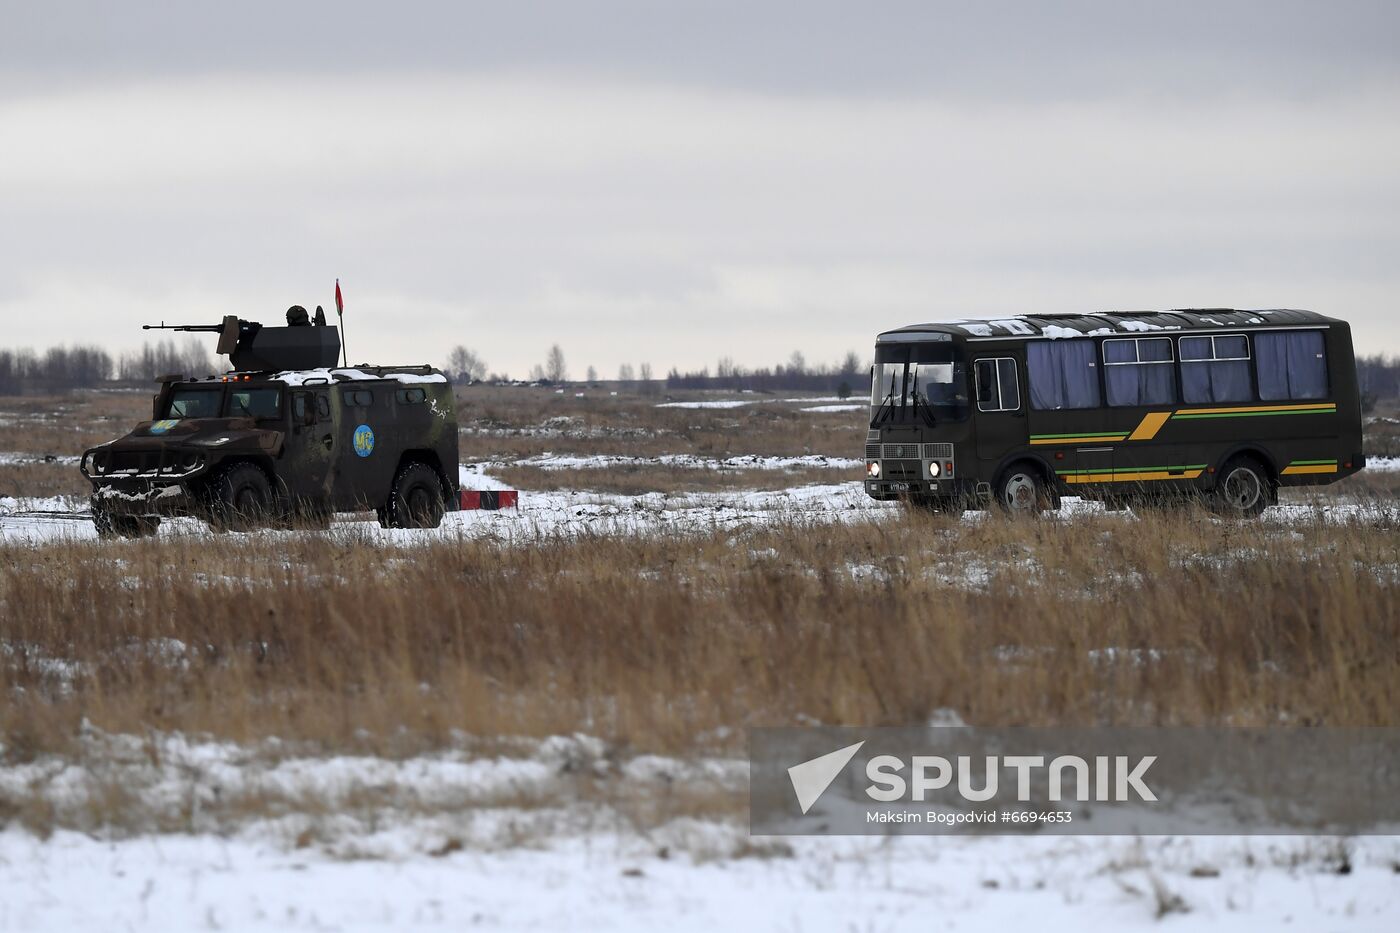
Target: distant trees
<point x="166" y="358"/>
<point x="464" y="365"/>
<point x="555" y="369"/>
<point x="592" y="375"/>
<point x="60" y="368"/>
<point x="795" y="375"/>
<point x="626" y="374"/>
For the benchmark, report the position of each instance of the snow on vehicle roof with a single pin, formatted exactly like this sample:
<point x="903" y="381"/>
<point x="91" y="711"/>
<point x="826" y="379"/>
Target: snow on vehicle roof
<point x="408" y="375"/>
<point x="1103" y="323"/>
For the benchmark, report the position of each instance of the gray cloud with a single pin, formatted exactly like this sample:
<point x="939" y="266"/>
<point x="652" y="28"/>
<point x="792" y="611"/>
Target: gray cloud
<point x="642" y="181"/>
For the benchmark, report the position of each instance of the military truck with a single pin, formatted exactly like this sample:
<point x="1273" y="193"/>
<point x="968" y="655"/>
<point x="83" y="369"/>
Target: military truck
<point x="287" y="437"/>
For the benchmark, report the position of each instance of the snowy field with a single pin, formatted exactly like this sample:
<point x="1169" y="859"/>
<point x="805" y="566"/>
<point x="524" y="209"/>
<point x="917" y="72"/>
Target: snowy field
<point x="518" y="841"/>
<point x="169" y="831"/>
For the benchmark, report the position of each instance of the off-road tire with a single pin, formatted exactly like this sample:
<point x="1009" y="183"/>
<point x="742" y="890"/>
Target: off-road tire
<point x="1021" y="491"/>
<point x="241" y="499"/>
<point x="416" y="499"/>
<point x="1243" y="489"/>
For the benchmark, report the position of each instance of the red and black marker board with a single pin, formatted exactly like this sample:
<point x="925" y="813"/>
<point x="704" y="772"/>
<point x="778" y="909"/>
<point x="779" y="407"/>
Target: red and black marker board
<point x="489" y="499"/>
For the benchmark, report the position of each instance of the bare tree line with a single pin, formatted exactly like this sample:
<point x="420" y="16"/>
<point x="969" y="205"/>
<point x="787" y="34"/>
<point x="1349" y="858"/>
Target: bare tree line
<point x="59" y="369"/>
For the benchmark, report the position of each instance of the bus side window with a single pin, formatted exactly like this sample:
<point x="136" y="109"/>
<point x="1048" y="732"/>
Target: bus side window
<point x="299" y="407"/>
<point x="1215" y="369"/>
<point x="1291" y="364"/>
<point x="997" y="389"/>
<point x="323" y="408"/>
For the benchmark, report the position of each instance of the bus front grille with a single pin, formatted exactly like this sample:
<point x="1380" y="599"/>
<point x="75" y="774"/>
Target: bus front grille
<point x="908" y="451"/>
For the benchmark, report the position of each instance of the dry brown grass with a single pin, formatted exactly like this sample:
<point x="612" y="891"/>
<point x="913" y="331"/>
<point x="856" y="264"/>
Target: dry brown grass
<point x="670" y="643"/>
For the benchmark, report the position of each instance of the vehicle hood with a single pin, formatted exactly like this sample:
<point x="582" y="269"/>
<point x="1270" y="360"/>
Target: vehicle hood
<point x="205" y="433"/>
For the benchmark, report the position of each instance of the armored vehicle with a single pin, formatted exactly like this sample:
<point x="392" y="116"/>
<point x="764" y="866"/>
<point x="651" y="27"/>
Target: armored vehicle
<point x="287" y="437"/>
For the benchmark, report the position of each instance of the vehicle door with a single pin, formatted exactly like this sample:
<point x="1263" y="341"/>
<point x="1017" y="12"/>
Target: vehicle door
<point x="1001" y="412"/>
<point x="310" y="452"/>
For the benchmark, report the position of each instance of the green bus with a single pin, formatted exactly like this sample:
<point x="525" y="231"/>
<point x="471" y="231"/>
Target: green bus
<point x="1135" y="406"/>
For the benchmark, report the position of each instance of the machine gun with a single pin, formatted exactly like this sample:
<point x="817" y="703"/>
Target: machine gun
<point x="251" y="347"/>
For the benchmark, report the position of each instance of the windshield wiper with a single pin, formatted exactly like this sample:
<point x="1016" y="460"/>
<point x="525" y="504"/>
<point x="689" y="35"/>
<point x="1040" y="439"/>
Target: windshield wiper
<point x="928" y="415"/>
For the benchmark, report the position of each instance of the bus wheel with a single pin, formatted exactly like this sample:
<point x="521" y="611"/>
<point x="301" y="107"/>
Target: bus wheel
<point x="1243" y="490"/>
<point x="1021" y="491"/>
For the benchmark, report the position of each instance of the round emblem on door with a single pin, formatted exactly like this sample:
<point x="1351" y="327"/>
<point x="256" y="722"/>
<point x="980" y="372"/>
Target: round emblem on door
<point x="364" y="440"/>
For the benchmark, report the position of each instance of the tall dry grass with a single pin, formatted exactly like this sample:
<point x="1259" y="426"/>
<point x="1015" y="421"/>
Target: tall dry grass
<point x="679" y="642"/>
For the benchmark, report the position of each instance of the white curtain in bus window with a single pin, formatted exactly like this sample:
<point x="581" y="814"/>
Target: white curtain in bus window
<point x="1291" y="365"/>
<point x="1062" y="374"/>
<point x="1139" y="371"/>
<point x="1215" y="369"/>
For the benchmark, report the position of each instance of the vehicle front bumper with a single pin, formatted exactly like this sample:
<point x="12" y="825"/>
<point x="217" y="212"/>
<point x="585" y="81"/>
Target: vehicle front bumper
<point x="144" y="498"/>
<point x="956" y="488"/>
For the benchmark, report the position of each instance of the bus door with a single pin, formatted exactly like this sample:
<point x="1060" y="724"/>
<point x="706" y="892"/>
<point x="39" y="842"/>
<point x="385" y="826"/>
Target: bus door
<point x="998" y="386"/>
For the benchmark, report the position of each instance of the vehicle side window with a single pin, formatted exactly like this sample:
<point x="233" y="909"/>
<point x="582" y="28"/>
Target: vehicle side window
<point x="1215" y="369"/>
<point x="1139" y="371"/>
<point x="411" y="396"/>
<point x="1062" y="374"/>
<point x="1291" y="364"/>
<point x="358" y="398"/>
<point x="298" y="407"/>
<point x="323" y="408"/>
<point x="997" y="388"/>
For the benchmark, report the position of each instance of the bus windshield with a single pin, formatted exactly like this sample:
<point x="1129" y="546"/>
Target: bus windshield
<point x="919" y="381"/>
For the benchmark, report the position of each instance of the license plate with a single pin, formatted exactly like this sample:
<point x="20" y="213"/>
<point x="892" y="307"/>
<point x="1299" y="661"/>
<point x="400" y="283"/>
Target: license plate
<point x="899" y="487"/>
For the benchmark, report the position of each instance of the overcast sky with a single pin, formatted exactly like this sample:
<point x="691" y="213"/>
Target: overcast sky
<point x="671" y="183"/>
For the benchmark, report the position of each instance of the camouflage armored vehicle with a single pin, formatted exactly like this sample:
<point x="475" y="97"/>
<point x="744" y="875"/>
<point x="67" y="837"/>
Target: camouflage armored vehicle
<point x="286" y="437"/>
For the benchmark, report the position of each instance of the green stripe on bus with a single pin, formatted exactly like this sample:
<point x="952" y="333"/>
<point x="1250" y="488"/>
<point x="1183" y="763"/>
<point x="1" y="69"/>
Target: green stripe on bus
<point x="1144" y="469"/>
<point x="1259" y="414"/>
<point x="1310" y="462"/>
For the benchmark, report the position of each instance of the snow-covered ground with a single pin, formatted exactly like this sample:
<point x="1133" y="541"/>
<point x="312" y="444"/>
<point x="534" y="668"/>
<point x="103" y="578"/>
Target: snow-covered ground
<point x="543" y="513"/>
<point x="528" y="835"/>
<point x="604" y="882"/>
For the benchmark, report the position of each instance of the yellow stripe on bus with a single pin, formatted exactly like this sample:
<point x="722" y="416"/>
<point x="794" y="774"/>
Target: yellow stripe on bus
<point x="1128" y="477"/>
<point x="1309" y="468"/>
<point x="1149" y="426"/>
<point x="1231" y="411"/>
<point x="1066" y="441"/>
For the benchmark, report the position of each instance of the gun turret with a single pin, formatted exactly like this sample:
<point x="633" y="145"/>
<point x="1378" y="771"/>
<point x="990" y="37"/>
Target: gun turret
<point x="251" y="347"/>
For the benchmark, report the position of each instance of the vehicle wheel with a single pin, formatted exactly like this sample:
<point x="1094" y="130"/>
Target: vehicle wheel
<point x="242" y="498"/>
<point x="416" y="499"/>
<point x="1243" y="490"/>
<point x="1021" y="491"/>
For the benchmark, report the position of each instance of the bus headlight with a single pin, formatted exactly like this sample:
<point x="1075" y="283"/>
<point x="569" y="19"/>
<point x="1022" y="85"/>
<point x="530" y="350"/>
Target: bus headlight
<point x="933" y="468"/>
<point x="872" y="469"/>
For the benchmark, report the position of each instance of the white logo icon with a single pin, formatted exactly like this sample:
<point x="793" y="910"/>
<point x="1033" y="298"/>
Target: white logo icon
<point x="811" y="778"/>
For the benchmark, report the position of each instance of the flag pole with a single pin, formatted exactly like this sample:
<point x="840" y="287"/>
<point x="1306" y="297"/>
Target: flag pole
<point x="340" y="315"/>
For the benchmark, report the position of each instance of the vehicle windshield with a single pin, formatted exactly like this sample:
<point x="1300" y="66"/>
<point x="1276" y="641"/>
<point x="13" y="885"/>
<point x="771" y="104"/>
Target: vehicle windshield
<point x="253" y="402"/>
<point x="917" y="382"/>
<point x="201" y="402"/>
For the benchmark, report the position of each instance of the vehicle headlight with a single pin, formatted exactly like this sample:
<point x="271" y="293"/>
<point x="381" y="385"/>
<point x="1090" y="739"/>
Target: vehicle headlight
<point x="933" y="468"/>
<point x="872" y="469"/>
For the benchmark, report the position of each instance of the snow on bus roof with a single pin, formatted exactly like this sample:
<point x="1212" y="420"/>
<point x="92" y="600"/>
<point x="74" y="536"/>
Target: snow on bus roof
<point x="1104" y="323"/>
<point x="296" y="377"/>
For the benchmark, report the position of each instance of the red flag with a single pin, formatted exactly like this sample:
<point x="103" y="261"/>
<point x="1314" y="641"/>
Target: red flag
<point x="339" y="302"/>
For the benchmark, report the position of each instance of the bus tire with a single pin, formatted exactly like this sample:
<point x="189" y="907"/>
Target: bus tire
<point x="1244" y="489"/>
<point x="1021" y="490"/>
